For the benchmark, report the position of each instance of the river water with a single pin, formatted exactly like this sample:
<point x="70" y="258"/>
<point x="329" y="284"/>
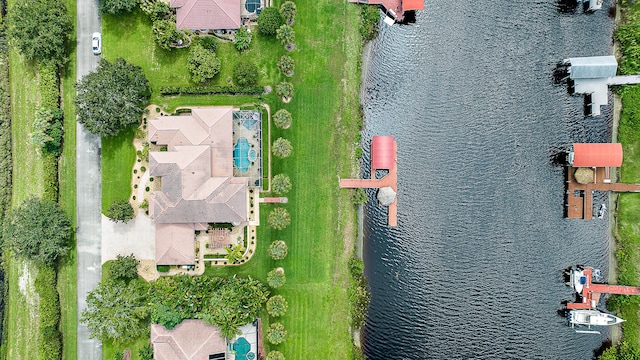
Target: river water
<point x="473" y="269"/>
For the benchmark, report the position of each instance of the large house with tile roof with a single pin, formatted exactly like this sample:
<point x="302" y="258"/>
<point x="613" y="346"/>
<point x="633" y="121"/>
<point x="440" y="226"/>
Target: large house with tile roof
<point x="197" y="183"/>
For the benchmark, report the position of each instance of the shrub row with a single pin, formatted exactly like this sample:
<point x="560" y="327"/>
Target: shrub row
<point x="5" y="130"/>
<point x="49" y="86"/>
<point x="50" y="177"/>
<point x="213" y="89"/>
<point x="50" y="338"/>
<point x="359" y="296"/>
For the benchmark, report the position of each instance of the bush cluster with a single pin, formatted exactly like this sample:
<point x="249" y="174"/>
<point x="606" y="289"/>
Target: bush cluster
<point x="50" y="177"/>
<point x="211" y="89"/>
<point x="5" y="130"/>
<point x="48" y="85"/>
<point x="359" y="296"/>
<point x="369" y="24"/>
<point x="47" y="125"/>
<point x="50" y="344"/>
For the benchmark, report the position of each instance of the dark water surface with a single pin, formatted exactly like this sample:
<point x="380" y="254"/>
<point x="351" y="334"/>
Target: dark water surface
<point x="473" y="270"/>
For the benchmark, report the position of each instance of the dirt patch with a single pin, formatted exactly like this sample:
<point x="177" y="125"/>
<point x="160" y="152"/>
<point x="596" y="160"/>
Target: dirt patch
<point x="147" y="270"/>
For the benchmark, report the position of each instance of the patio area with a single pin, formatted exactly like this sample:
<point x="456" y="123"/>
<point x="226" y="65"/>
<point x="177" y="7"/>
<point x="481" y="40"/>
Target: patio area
<point x="247" y="149"/>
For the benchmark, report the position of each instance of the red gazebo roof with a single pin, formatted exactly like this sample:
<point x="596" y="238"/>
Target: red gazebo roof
<point x="597" y="155"/>
<point x="382" y="152"/>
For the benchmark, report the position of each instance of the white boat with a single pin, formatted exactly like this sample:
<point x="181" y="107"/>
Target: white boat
<point x="577" y="279"/>
<point x="592" y="317"/>
<point x="602" y="211"/>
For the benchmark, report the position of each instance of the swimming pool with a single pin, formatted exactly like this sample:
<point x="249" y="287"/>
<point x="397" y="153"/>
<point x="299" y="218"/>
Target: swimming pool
<point x="241" y="155"/>
<point x="243" y="349"/>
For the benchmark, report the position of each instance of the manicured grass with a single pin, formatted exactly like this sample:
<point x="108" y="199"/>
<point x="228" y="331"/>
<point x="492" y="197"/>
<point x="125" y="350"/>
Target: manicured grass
<point x="118" y="157"/>
<point x="324" y="138"/>
<point x="27" y="181"/>
<point x="67" y="277"/>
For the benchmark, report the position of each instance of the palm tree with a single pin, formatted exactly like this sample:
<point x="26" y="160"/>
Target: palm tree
<point x="278" y="250"/>
<point x="276" y="333"/>
<point x="275" y="355"/>
<point x="286" y="65"/>
<point x="281" y="184"/>
<point x="277" y="306"/>
<point x="234" y="254"/>
<point x="284" y="90"/>
<point x="282" y="119"/>
<point x="285" y="34"/>
<point x="288" y="11"/>
<point x="282" y="148"/>
<point x="279" y="218"/>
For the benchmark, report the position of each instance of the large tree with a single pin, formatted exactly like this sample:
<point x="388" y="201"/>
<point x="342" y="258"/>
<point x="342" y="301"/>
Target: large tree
<point x="202" y="63"/>
<point x="112" y="98"/>
<point x="124" y="267"/>
<point x="117" y="311"/>
<point x="40" y="29"/>
<point x="38" y="230"/>
<point x="269" y="21"/>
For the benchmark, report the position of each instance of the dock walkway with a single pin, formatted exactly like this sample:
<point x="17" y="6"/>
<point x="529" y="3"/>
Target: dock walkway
<point x="580" y="196"/>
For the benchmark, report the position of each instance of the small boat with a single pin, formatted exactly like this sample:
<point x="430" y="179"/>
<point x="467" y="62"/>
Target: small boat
<point x="592" y="317"/>
<point x="602" y="211"/>
<point x="577" y="279"/>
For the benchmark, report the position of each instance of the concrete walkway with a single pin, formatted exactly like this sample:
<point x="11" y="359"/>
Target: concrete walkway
<point x="88" y="187"/>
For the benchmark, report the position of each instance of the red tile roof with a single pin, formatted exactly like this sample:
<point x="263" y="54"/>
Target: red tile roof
<point x="597" y="155"/>
<point x="207" y="14"/>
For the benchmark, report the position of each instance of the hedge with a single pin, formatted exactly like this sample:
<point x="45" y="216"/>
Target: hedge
<point x="50" y="177"/>
<point x="50" y="338"/>
<point x="213" y="89"/>
<point x="48" y="86"/>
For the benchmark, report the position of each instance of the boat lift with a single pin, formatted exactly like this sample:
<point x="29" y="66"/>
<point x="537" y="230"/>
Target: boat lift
<point x="582" y="281"/>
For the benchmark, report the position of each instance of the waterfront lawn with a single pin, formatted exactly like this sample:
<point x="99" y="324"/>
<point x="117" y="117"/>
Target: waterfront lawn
<point x="118" y="157"/>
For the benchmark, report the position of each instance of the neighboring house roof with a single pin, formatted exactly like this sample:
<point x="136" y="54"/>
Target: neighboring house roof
<point x="189" y="340"/>
<point x="596" y="155"/>
<point x="207" y="14"/>
<point x="174" y="244"/>
<point x="382" y="152"/>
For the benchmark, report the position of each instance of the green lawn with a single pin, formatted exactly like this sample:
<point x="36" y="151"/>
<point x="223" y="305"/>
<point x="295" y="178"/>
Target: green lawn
<point x="67" y="175"/>
<point x="324" y="137"/>
<point x="27" y="181"/>
<point x="118" y="157"/>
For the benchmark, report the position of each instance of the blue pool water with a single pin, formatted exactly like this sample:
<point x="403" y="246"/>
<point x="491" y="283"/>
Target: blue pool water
<point x="243" y="349"/>
<point x="241" y="155"/>
<point x="252" y="5"/>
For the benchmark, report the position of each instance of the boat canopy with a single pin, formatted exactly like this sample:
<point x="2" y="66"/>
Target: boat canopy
<point x="596" y="155"/>
<point x="592" y="67"/>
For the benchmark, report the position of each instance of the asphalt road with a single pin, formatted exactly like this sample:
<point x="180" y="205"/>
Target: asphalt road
<point x="88" y="187"/>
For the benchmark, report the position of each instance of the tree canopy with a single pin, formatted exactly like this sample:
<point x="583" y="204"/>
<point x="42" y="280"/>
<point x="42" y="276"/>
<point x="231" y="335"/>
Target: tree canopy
<point x="167" y="34"/>
<point x="202" y="63"/>
<point x="38" y="230"/>
<point x="116" y="7"/>
<point x="269" y="21"/>
<point x="281" y="184"/>
<point x="278" y="250"/>
<point x="285" y="34"/>
<point x="120" y="210"/>
<point x="40" y="29"/>
<point x="277" y="306"/>
<point x="282" y="119"/>
<point x="276" y="333"/>
<point x="111" y="98"/>
<point x="242" y="39"/>
<point x="279" y="218"/>
<point x="117" y="311"/>
<point x="245" y="73"/>
<point x="124" y="267"/>
<point x="276" y="278"/>
<point x="286" y="65"/>
<point x="281" y="148"/>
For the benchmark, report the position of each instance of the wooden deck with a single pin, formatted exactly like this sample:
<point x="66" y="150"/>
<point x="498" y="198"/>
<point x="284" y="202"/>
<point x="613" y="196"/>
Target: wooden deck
<point x="391" y="180"/>
<point x="580" y="196"/>
<point x="393" y="5"/>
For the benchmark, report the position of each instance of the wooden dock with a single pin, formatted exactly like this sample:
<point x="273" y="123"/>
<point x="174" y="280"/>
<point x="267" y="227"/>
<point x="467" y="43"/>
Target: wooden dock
<point x="580" y="196"/>
<point x="591" y="292"/>
<point x="390" y="180"/>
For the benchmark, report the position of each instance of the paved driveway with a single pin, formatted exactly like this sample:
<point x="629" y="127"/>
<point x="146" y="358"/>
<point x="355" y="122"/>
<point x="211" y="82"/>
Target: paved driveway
<point x="136" y="237"/>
